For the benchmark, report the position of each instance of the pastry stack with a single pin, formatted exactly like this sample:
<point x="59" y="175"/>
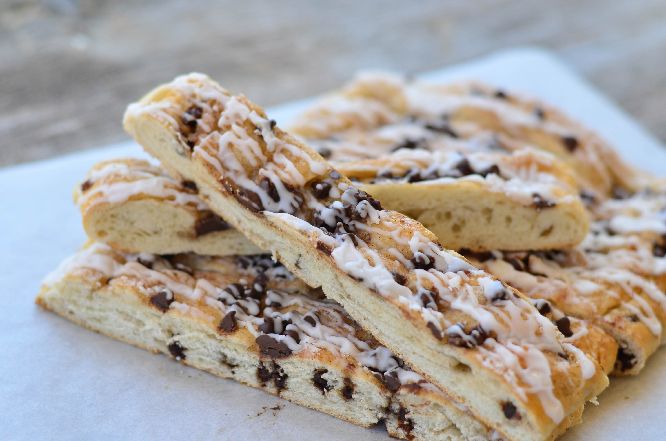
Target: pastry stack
<point x="455" y="260"/>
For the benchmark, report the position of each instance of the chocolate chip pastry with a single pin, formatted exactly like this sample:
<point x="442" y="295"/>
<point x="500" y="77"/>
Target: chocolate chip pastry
<point x="249" y="319"/>
<point x="377" y="113"/>
<point x="480" y="341"/>
<point x="615" y="278"/>
<point x="479" y="200"/>
<point x="136" y="207"/>
<point x="106" y="202"/>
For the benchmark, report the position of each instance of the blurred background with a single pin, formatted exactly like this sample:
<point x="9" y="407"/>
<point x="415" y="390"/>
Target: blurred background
<point x="68" y="68"/>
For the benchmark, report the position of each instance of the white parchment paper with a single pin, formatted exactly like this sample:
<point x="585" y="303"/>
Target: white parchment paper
<point x="61" y="382"/>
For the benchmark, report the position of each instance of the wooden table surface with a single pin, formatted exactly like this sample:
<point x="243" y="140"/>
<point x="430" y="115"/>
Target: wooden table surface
<point x="68" y="68"/>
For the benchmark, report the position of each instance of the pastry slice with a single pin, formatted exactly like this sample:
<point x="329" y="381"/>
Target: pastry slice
<point x="479" y="200"/>
<point x="247" y="318"/>
<point x="626" y="305"/>
<point x="381" y="112"/>
<point x="480" y="341"/>
<point x="136" y="207"/>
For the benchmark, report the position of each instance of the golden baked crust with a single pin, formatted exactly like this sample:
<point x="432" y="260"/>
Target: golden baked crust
<point x="249" y="319"/>
<point x="382" y="112"/>
<point x="383" y="267"/>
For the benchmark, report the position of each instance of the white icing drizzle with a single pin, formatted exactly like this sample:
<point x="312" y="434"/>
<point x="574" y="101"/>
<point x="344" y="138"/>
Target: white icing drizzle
<point x="119" y="181"/>
<point x="522" y="175"/>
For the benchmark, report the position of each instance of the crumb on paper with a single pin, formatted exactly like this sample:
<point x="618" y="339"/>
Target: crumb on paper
<point x="275" y="409"/>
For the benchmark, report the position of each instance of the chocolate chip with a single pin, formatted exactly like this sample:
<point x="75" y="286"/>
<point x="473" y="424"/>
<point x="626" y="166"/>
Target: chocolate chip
<point x="162" y="300"/>
<point x="268" y="326"/>
<point x="410" y="144"/>
<point x="517" y="264"/>
<point x="659" y="250"/>
<point x="275" y="373"/>
<point x="279" y="377"/>
<point x="570" y="143"/>
<point x="391" y="381"/>
<point x="208" y="223"/>
<point x="228" y="323"/>
<point x="310" y="320"/>
<point x="464" y="167"/>
<point x="321" y="189"/>
<point x="422" y="261"/>
<point x="633" y="318"/>
<point x="192" y="114"/>
<point x="399" y="278"/>
<point x="184" y="268"/>
<point x="225" y="361"/>
<point x="564" y="325"/>
<point x="499" y="93"/>
<point x="247" y="198"/>
<point x="321" y="246"/>
<point x="258" y="288"/>
<point x="325" y="152"/>
<point x="294" y="335"/>
<point x="543" y="307"/>
<point x="272" y="123"/>
<point x="263" y="373"/>
<point x="443" y="128"/>
<point x="625" y="359"/>
<point x="620" y="193"/>
<point x="588" y="198"/>
<point x="348" y="389"/>
<point x="269" y="187"/>
<point x="502" y="294"/>
<point x="539" y="113"/>
<point x="272" y="347"/>
<point x="539" y="202"/>
<point x="177" y="350"/>
<point x="190" y="185"/>
<point x="404" y="423"/>
<point x="145" y="262"/>
<point x="320" y="382"/>
<point x="435" y="331"/>
<point x="335" y="175"/>
<point x="475" y="337"/>
<point x="491" y="170"/>
<point x="510" y="410"/>
<point x="427" y="299"/>
<point x="85" y="186"/>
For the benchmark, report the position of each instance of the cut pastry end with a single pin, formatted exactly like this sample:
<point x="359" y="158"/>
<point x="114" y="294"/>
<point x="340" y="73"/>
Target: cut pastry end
<point x="207" y="313"/>
<point x="134" y="206"/>
<point x="479" y="201"/>
<point x="468" y="217"/>
<point x="260" y="179"/>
